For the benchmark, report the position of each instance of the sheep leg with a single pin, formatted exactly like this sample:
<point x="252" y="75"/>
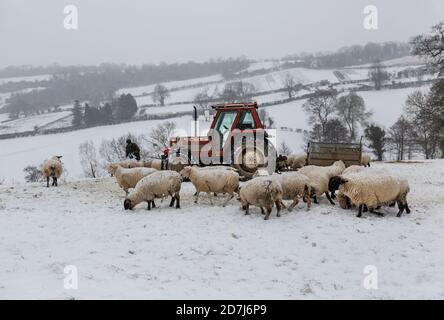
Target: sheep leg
<point x="197" y="196"/>
<point x="210" y="196"/>
<point x="359" y="211"/>
<point x="333" y="195"/>
<point x="294" y="204"/>
<point x="149" y="205"/>
<point x="366" y="208"/>
<point x="278" y="207"/>
<point x="329" y="199"/>
<point x="315" y="199"/>
<point x="172" y="201"/>
<point x="407" y="209"/>
<point x="47" y="182"/>
<point x="177" y="201"/>
<point x="375" y="212"/>
<point x="230" y="196"/>
<point x="153" y="204"/>
<point x="401" y="209"/>
<point x="247" y="209"/>
<point x="267" y="216"/>
<point x="262" y="211"/>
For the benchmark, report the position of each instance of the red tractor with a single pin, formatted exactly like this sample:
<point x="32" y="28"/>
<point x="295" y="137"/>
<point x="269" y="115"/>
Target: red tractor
<point x="236" y="138"/>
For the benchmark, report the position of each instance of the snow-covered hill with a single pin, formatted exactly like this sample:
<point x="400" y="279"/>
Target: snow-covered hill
<point x="206" y="252"/>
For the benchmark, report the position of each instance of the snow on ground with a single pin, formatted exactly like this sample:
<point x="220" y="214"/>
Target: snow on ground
<point x="21" y="152"/>
<point x="206" y="252"/>
<point x="171" y="85"/>
<point x="28" y="123"/>
<point x="27" y="78"/>
<point x="387" y="105"/>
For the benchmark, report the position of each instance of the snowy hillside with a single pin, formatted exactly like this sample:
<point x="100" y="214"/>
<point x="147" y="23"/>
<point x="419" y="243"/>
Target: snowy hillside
<point x="205" y="252"/>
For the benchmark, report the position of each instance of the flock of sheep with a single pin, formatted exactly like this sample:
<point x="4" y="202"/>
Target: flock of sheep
<point x="366" y="188"/>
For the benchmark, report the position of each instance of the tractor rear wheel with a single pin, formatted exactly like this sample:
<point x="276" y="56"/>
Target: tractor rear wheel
<point x="248" y="160"/>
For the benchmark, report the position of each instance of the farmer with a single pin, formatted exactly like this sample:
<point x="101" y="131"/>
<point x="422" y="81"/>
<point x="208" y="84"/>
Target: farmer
<point x="132" y="150"/>
<point x="164" y="161"/>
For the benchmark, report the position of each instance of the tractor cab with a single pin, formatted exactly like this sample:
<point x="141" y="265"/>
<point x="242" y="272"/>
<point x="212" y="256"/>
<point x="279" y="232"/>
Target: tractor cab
<point x="236" y="137"/>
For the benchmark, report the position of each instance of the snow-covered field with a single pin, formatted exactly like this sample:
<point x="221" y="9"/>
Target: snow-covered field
<point x="209" y="252"/>
<point x="28" y="123"/>
<point x="26" y="78"/>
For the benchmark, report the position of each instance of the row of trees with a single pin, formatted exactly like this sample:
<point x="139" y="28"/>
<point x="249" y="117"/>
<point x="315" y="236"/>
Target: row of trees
<point x="97" y="84"/>
<point x="420" y="129"/>
<point x="122" y="108"/>
<point x="353" y="55"/>
<point x="335" y="119"/>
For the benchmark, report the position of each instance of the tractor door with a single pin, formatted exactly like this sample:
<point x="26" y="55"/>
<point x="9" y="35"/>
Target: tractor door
<point x="224" y="125"/>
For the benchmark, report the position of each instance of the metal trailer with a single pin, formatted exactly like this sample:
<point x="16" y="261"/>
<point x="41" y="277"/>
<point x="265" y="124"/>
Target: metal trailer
<point x="325" y="153"/>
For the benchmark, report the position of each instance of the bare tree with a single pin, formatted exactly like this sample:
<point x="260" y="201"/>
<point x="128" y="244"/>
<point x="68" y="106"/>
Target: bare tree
<point x="237" y="91"/>
<point x="290" y="85"/>
<point x="425" y="115"/>
<point x="320" y="108"/>
<point x="376" y="136"/>
<point x="88" y="160"/>
<point x="399" y="137"/>
<point x="284" y="149"/>
<point x="159" y="137"/>
<point x="33" y="173"/>
<point x="160" y="94"/>
<point x="378" y="75"/>
<point x="202" y="99"/>
<point x="351" y="108"/>
<point x="114" y="150"/>
<point x="431" y="46"/>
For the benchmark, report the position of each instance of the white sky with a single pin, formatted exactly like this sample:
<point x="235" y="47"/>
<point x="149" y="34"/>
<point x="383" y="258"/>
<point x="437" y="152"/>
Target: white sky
<point x="143" y="31"/>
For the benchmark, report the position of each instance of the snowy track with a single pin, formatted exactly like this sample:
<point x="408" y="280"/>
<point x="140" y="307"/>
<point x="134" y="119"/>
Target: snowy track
<point x="214" y="252"/>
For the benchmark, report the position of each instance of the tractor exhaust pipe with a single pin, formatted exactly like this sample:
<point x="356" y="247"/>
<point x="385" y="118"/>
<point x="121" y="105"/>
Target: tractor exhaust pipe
<point x="195" y="121"/>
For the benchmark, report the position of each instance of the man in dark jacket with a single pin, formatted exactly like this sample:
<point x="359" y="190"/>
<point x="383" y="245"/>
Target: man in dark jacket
<point x="132" y="150"/>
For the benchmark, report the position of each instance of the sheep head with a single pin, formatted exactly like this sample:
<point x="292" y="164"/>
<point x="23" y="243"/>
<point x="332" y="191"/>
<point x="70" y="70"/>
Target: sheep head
<point x="186" y="172"/>
<point x="128" y="205"/>
<point x="335" y="182"/>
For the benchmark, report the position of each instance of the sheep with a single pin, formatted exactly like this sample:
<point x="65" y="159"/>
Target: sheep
<point x="374" y="189"/>
<point x="156" y="185"/>
<point x="152" y="163"/>
<point x="212" y="181"/>
<point x="53" y="168"/>
<point x="333" y="186"/>
<point x="294" y="185"/>
<point x="128" y="178"/>
<point x="263" y="192"/>
<point x="218" y="168"/>
<point x="296" y="161"/>
<point x="365" y="160"/>
<point x="128" y="163"/>
<point x="320" y="176"/>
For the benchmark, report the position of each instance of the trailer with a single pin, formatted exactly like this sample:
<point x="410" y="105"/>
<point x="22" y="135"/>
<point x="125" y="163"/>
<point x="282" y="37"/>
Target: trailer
<point x="325" y="153"/>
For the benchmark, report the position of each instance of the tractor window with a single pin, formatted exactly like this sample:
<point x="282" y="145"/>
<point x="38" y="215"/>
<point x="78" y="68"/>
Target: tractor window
<point x="224" y="124"/>
<point x="246" y="121"/>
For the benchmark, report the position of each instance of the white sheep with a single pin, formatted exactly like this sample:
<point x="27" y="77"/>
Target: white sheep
<point x="52" y="168"/>
<point x="262" y="192"/>
<point x="128" y="163"/>
<point x="212" y="181"/>
<point x="296" y="161"/>
<point x="374" y="189"/>
<point x="320" y="177"/>
<point x="152" y="163"/>
<point x="128" y="178"/>
<point x="365" y="160"/>
<point x="157" y="185"/>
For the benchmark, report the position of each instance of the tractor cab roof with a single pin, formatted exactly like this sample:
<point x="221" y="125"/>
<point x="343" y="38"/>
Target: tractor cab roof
<point x="246" y="105"/>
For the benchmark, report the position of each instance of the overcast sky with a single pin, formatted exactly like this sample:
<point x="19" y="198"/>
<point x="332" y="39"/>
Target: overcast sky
<point x="144" y="31"/>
